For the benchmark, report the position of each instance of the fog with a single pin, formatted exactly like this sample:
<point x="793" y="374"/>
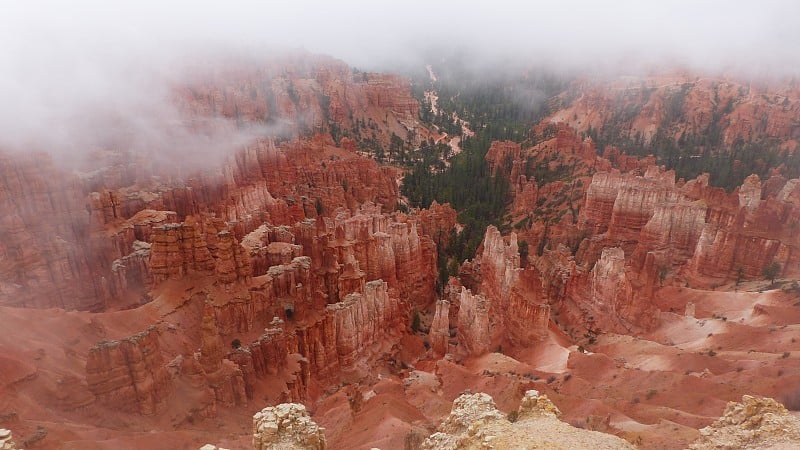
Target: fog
<point x="75" y="74"/>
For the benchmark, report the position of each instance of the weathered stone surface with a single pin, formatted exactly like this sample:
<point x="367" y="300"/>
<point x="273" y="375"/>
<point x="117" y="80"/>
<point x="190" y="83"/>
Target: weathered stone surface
<point x="179" y="249"/>
<point x="384" y="247"/>
<point x="363" y="319"/>
<point x="708" y="231"/>
<point x="47" y="258"/>
<point x="473" y="334"/>
<point x="533" y="404"/>
<point x="286" y="426"/>
<point x="437" y="222"/>
<point x="475" y="423"/>
<point x="440" y="328"/>
<point x="130" y="374"/>
<point x="222" y="376"/>
<point x="518" y="311"/>
<point x="6" y="440"/>
<point x="754" y="423"/>
<point x="750" y="113"/>
<point x="612" y="294"/>
<point x="231" y="262"/>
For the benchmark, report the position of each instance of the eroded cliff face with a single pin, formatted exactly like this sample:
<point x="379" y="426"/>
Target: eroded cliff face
<point x="47" y="259"/>
<point x="611" y="302"/>
<point x="474" y="333"/>
<point x="307" y="91"/>
<point x="584" y="208"/>
<point x="274" y="274"/>
<point x="692" y="227"/>
<point x="130" y="374"/>
<point x="331" y="307"/>
<point x="510" y="306"/>
<point x="94" y="218"/>
<point x="749" y="237"/>
<point x="440" y="328"/>
<point x="286" y="275"/>
<point x="641" y="107"/>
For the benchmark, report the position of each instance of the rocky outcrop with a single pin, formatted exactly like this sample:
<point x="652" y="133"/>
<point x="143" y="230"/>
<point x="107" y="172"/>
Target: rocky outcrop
<point x="748" y="238"/>
<point x="754" y="423"/>
<point x="473" y="334"/>
<point x="437" y="221"/>
<point x="130" y="374"/>
<point x="362" y="319"/>
<point x="519" y="313"/>
<point x="388" y="248"/>
<point x="500" y="265"/>
<point x="46" y="256"/>
<point x="286" y="426"/>
<point x="682" y="106"/>
<point x="467" y="409"/>
<point x="622" y="204"/>
<point x="636" y="201"/>
<point x="6" y="440"/>
<point x="662" y="225"/>
<point x="306" y="92"/>
<point x="439" y="334"/>
<point x="323" y="341"/>
<point x="178" y="249"/>
<point x="475" y="423"/>
<point x="501" y="155"/>
<point x="601" y="195"/>
<point x="223" y="376"/>
<point x="612" y="296"/>
<point x="231" y="262"/>
<point x="673" y="229"/>
<point x="92" y="220"/>
<point x="270" y="246"/>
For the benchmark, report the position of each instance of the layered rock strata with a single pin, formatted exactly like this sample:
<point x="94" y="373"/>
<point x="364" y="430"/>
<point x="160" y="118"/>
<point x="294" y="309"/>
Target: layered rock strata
<point x="130" y="374"/>
<point x="439" y="334"/>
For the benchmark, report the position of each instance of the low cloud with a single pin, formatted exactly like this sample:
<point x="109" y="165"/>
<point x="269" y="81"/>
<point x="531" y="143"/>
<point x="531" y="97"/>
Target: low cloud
<point x="75" y="76"/>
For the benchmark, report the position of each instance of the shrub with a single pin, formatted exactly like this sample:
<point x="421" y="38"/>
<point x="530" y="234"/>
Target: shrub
<point x="236" y="343"/>
<point x="771" y="271"/>
<point x="791" y="400"/>
<point x="416" y="323"/>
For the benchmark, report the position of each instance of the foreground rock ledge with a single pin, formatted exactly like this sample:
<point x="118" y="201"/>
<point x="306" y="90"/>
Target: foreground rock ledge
<point x="6" y="442"/>
<point x="755" y="423"/>
<point x="286" y="426"/>
<point x="475" y="423"/>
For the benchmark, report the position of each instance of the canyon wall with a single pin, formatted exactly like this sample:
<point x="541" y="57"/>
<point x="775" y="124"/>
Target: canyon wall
<point x="64" y="231"/>
<point x="678" y="105"/>
<point x="130" y="374"/>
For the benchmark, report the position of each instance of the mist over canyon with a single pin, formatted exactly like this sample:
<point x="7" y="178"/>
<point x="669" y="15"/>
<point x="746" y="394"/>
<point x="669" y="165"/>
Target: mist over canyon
<point x="442" y="226"/>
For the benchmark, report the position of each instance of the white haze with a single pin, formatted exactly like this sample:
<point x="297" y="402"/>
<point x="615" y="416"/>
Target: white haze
<point x="73" y="74"/>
